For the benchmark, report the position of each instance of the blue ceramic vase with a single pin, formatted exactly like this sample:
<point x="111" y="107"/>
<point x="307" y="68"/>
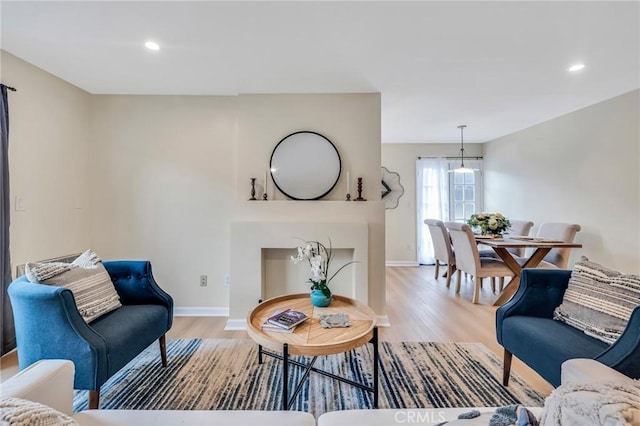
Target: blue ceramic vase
<point x="319" y="299"/>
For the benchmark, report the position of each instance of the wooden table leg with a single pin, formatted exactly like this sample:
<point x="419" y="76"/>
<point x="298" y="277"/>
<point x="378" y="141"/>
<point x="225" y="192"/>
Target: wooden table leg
<point x="512" y="286"/>
<point x="508" y="291"/>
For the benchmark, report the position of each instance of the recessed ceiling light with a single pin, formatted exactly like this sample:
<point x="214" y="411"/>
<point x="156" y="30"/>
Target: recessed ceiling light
<point x="152" y="45"/>
<point x="576" y="67"/>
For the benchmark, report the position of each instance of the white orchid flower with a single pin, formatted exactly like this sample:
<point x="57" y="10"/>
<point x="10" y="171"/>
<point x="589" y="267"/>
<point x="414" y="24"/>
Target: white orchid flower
<point x="317" y="275"/>
<point x="308" y="250"/>
<point x="300" y="257"/>
<point x="316" y="261"/>
<point x="319" y="258"/>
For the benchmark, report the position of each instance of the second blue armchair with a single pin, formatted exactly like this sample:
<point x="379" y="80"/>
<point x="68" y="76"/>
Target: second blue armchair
<point x="525" y="328"/>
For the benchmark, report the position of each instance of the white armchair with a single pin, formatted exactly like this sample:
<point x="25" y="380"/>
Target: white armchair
<point x="574" y="372"/>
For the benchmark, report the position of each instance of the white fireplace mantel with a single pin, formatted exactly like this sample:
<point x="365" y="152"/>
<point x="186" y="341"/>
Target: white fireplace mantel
<point x="250" y="239"/>
<point x="354" y="226"/>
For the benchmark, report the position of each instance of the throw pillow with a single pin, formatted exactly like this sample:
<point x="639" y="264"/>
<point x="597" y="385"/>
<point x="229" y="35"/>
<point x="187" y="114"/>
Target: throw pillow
<point x="599" y="300"/>
<point x="92" y="290"/>
<point x="87" y="279"/>
<point x="17" y="411"/>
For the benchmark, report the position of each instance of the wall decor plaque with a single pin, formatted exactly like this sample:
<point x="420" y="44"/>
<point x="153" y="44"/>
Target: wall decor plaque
<point x="391" y="190"/>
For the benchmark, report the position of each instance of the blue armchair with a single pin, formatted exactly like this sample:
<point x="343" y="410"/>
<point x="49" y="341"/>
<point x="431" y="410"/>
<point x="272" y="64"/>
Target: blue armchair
<point x="525" y="328"/>
<point x="49" y="326"/>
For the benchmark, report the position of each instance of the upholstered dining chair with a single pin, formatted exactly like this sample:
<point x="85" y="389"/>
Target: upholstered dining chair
<point x="566" y="232"/>
<point x="519" y="227"/>
<point x="468" y="260"/>
<point x="442" y="251"/>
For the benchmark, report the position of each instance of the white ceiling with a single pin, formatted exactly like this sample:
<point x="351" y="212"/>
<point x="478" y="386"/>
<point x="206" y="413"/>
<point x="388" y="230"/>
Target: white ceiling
<point x="496" y="66"/>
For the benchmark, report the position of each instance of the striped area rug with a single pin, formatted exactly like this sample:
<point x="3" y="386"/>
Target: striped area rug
<point x="208" y="374"/>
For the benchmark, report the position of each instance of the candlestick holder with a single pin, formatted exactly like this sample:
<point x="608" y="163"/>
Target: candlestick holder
<point x="253" y="190"/>
<point x="360" y="191"/>
<point x="265" y="197"/>
<point x="348" y="197"/>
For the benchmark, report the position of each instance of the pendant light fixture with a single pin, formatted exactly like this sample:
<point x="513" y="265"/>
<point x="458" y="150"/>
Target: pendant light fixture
<point x="462" y="168"/>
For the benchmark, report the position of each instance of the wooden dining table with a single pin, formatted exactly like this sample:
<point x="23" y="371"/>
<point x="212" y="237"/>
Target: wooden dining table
<point x="501" y="245"/>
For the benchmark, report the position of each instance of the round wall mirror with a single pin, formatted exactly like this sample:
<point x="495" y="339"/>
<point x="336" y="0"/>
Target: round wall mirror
<point x="305" y="166"/>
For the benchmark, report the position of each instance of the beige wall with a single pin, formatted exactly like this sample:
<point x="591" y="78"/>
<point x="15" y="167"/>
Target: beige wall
<point x="49" y="141"/>
<point x="352" y="122"/>
<point x="400" y="226"/>
<point x="583" y="168"/>
<point x="162" y="178"/>
<point x="167" y="170"/>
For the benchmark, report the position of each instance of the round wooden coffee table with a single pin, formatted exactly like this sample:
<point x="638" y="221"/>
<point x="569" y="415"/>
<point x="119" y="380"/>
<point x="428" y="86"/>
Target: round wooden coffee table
<point x="309" y="338"/>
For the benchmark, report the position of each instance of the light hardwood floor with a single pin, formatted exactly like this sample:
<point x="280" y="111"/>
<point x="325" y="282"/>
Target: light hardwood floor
<point x="419" y="307"/>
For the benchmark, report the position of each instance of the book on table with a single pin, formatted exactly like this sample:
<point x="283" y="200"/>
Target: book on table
<point x="276" y="329"/>
<point x="287" y="319"/>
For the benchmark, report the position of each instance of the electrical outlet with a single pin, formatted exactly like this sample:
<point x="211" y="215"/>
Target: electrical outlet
<point x="227" y="281"/>
<point x="203" y="280"/>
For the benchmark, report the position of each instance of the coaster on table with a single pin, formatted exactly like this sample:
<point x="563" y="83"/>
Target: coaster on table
<point x="334" y="320"/>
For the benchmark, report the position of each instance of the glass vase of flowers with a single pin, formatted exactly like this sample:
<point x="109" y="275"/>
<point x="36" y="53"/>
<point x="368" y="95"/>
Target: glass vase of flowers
<point x="319" y="258"/>
<point x="489" y="223"/>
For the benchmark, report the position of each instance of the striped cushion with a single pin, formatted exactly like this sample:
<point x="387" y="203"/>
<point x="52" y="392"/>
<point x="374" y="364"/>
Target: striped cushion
<point x="87" y="279"/>
<point x="599" y="300"/>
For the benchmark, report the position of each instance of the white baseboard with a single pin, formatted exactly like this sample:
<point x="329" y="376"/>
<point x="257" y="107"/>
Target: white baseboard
<point x="401" y="263"/>
<point x="216" y="311"/>
<point x="236" y="324"/>
<point x="383" y="321"/>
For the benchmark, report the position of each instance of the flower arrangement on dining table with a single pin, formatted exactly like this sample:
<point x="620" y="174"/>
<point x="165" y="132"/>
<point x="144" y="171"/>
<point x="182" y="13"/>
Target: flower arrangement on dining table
<point x="319" y="257"/>
<point x="489" y="223"/>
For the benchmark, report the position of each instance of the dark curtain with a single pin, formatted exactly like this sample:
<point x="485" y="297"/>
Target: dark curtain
<point x="7" y="329"/>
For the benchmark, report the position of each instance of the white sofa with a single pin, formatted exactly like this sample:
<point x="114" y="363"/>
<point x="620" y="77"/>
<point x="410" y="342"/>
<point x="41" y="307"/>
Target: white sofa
<point x="575" y="371"/>
<point x="50" y="382"/>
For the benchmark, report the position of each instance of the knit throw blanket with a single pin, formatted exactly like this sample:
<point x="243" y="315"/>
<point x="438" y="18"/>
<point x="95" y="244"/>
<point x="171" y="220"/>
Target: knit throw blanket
<point x="20" y="412"/>
<point x="604" y="403"/>
<point x="573" y="404"/>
